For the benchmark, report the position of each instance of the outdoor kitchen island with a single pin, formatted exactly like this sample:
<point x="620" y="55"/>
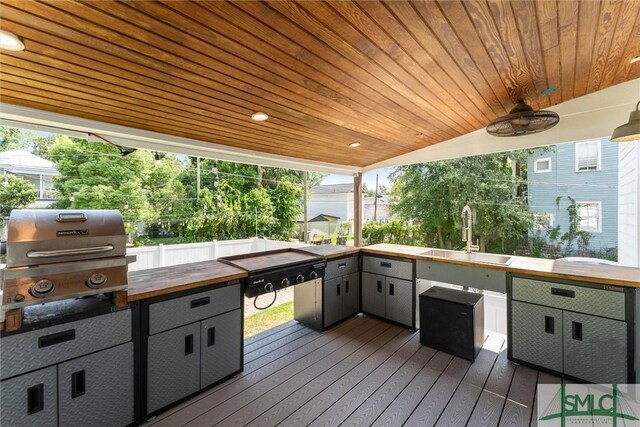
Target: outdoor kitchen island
<point x="182" y="315"/>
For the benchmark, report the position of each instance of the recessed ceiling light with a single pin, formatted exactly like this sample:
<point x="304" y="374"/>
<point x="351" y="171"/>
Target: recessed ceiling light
<point x="10" y="41"/>
<point x="354" y="144"/>
<point x="259" y="116"/>
<point x="636" y="59"/>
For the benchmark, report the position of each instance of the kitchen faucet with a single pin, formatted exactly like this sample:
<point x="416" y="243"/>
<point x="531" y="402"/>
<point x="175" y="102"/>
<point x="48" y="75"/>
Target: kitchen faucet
<point x="467" y="229"/>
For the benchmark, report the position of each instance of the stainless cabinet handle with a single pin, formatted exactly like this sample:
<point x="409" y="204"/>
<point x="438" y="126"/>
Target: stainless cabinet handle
<point x="338" y="289"/>
<point x="385" y="264"/>
<point x="211" y="337"/>
<point x="346" y="286"/>
<point x="78" y="384"/>
<point x="391" y="289"/>
<point x="563" y="292"/>
<point x="188" y="344"/>
<point x="342" y="265"/>
<point x="379" y="286"/>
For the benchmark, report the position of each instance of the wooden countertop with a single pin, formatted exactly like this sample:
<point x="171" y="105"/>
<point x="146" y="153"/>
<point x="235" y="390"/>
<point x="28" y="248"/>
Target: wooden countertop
<point x="331" y="251"/>
<point x="559" y="269"/>
<point x="165" y="280"/>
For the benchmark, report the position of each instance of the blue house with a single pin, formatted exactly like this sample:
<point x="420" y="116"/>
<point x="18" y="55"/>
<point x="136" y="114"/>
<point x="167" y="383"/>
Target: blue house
<point x="586" y="172"/>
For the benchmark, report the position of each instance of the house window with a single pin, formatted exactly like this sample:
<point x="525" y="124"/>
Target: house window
<point x="589" y="216"/>
<point x="542" y="165"/>
<point x="588" y="156"/>
<point x="542" y="221"/>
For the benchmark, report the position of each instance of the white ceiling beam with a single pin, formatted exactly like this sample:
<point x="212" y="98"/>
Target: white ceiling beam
<point x="31" y="118"/>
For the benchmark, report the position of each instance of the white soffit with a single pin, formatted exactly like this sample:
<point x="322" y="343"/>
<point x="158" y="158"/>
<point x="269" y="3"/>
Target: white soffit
<point x="31" y="118"/>
<point x="591" y="116"/>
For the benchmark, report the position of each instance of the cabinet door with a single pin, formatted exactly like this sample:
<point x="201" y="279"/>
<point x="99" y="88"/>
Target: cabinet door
<point x="351" y="298"/>
<point x="595" y="348"/>
<point x="373" y="294"/>
<point x="332" y="292"/>
<point x="536" y="335"/>
<point x="173" y="366"/>
<point x="221" y="346"/>
<point x="97" y="390"/>
<point x="30" y="399"/>
<point x="399" y="302"/>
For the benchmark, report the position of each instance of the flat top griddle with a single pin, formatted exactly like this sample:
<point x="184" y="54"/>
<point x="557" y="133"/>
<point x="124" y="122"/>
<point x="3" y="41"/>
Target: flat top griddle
<point x="270" y="260"/>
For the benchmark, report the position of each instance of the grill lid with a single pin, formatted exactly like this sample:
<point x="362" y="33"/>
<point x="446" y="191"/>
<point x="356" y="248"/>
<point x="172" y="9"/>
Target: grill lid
<point x="47" y="236"/>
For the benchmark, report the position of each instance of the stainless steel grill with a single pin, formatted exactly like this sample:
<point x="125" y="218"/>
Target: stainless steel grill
<point x="59" y="254"/>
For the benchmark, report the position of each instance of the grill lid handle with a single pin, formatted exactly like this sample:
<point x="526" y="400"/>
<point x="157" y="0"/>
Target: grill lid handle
<point x="69" y="252"/>
<point x="71" y="217"/>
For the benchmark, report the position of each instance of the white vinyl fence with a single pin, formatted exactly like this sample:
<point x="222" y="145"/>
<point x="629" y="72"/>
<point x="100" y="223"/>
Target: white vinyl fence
<point x="166" y="255"/>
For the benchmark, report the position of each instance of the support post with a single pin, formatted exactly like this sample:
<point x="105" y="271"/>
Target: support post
<point x="305" y="229"/>
<point x="357" y="209"/>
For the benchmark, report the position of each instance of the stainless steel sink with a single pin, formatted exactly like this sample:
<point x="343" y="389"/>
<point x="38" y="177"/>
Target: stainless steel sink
<point x="471" y="257"/>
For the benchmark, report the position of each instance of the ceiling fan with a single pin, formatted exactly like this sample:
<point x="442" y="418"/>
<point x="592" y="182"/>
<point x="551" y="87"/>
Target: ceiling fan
<point x="523" y="120"/>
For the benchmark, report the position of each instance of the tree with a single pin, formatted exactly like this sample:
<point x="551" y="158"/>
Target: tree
<point x="15" y="193"/>
<point x="433" y="195"/>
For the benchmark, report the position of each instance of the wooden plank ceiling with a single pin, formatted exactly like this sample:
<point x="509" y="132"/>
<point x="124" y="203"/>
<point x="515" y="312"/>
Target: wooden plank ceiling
<point x="395" y="76"/>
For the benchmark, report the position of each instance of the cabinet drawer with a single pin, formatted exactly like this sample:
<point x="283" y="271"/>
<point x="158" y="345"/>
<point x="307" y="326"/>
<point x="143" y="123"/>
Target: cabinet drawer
<point x="341" y="267"/>
<point x="599" y="302"/>
<point x="35" y="349"/>
<point x="180" y="311"/>
<point x="388" y="267"/>
<point x="474" y="277"/>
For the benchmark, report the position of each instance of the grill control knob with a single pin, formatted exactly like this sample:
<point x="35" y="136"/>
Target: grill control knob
<point x="96" y="280"/>
<point x="18" y="297"/>
<point x="313" y="275"/>
<point x="300" y="278"/>
<point x="285" y="282"/>
<point x="268" y="287"/>
<point x="41" y="288"/>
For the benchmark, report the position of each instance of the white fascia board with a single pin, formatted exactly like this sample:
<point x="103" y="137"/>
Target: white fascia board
<point x="31" y="118"/>
<point x="589" y="117"/>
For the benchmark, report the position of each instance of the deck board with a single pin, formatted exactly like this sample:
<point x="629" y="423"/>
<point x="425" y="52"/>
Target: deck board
<point x="363" y="372"/>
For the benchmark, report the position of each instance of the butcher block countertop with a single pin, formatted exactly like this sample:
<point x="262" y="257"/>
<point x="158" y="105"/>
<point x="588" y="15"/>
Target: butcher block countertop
<point x="331" y="251"/>
<point x="559" y="269"/>
<point x="165" y="280"/>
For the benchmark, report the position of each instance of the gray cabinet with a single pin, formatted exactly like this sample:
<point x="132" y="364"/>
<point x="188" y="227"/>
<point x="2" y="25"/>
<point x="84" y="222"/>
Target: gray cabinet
<point x="173" y="367"/>
<point x="374" y="294"/>
<point x="30" y="399"/>
<point x="97" y="390"/>
<point x="595" y="349"/>
<point x="82" y="374"/>
<point x="321" y="303"/>
<point x="195" y="341"/>
<point x="341" y="298"/>
<point x="220" y="347"/>
<point x="388" y="289"/>
<point x="552" y="325"/>
<point x="399" y="300"/>
<point x="537" y="335"/>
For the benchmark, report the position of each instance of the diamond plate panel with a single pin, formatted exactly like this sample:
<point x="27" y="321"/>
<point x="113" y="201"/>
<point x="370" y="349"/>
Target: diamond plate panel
<point x="176" y="312"/>
<point x="341" y="267"/>
<point x="598" y="302"/>
<point x="14" y="401"/>
<point x="223" y="356"/>
<point x="172" y="374"/>
<point x="21" y="353"/>
<point x="388" y="267"/>
<point x="373" y="302"/>
<point x="601" y="355"/>
<point x="399" y="306"/>
<point x="108" y="397"/>
<point x="529" y="340"/>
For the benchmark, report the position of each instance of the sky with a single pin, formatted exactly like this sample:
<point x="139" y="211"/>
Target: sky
<point x="368" y="178"/>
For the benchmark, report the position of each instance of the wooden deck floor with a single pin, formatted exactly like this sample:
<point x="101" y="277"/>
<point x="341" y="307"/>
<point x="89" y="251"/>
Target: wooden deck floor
<point x="363" y="372"/>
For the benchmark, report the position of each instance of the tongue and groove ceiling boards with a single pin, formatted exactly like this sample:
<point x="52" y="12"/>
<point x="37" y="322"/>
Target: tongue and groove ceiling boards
<point x="395" y="76"/>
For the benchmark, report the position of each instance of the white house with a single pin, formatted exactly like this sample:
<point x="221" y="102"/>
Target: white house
<point x="36" y="170"/>
<point x="337" y="200"/>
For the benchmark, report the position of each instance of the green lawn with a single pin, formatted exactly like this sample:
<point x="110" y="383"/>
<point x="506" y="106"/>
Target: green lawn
<point x="268" y="319"/>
